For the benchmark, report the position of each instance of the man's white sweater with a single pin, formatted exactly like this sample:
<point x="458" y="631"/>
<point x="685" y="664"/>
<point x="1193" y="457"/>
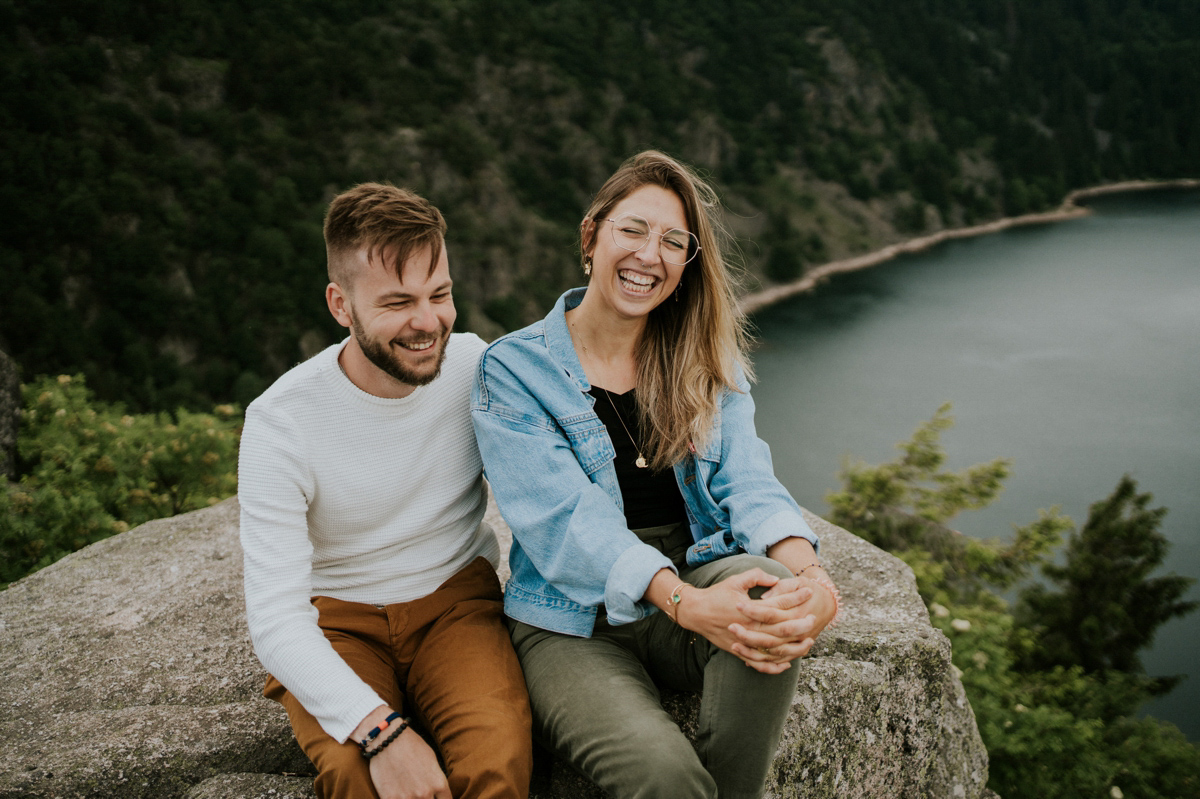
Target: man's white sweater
<point x="355" y="497"/>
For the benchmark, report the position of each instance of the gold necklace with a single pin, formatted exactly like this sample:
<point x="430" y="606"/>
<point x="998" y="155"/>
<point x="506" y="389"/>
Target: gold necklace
<point x="640" y="462"/>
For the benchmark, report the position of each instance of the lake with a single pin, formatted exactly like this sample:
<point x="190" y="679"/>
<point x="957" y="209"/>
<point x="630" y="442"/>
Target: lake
<point x="1071" y="348"/>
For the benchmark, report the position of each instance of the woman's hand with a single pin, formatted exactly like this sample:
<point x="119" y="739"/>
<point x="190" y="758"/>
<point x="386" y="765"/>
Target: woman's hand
<point x="719" y="613"/>
<point x="804" y="593"/>
<point x="786" y="620"/>
<point x="783" y="624"/>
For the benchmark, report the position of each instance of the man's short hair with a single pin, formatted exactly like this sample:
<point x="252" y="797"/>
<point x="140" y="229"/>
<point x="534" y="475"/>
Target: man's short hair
<point x="390" y="222"/>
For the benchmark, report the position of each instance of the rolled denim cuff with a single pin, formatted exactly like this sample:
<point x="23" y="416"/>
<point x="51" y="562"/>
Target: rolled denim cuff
<point x="628" y="580"/>
<point x="785" y="524"/>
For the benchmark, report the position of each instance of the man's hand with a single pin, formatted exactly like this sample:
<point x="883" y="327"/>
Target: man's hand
<point x="408" y="769"/>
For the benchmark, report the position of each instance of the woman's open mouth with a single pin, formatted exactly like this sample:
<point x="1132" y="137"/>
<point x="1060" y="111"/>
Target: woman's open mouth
<point x="636" y="282"/>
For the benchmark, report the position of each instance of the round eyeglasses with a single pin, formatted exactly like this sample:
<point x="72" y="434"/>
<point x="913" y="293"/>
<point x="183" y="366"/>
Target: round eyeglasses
<point x="631" y="232"/>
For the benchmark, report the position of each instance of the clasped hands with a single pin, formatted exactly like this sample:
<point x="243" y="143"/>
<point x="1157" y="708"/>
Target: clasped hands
<point x="767" y="633"/>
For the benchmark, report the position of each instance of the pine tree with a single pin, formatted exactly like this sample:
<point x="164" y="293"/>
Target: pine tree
<point x="905" y="506"/>
<point x="1104" y="606"/>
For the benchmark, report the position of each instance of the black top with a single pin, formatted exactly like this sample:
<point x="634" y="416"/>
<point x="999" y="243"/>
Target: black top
<point x="651" y="498"/>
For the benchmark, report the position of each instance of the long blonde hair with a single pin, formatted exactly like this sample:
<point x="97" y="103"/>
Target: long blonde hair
<point x="691" y="348"/>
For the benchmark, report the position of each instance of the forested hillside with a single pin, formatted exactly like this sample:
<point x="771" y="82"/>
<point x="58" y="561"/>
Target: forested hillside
<point x="164" y="167"/>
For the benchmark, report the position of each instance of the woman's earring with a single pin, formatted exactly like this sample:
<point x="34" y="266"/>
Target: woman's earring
<point x="677" y="287"/>
<point x="587" y="266"/>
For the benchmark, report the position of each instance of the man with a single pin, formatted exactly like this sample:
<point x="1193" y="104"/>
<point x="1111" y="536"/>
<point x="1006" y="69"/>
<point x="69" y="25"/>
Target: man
<point x="371" y="593"/>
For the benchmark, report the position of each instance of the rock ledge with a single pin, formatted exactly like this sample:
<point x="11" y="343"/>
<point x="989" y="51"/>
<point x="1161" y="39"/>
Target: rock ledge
<point x="129" y="673"/>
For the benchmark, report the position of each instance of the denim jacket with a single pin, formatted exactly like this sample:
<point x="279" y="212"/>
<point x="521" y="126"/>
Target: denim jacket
<point x="549" y="461"/>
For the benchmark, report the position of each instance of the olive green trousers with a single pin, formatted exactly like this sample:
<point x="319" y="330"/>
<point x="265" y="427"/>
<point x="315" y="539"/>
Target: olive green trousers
<point x="596" y="703"/>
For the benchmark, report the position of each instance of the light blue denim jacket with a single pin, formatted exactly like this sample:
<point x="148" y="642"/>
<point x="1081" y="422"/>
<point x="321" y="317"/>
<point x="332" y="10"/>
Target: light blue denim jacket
<point x="549" y="461"/>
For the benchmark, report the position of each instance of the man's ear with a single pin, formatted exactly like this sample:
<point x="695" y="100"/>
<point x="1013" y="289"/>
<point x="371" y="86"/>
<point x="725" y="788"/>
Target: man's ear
<point x="339" y="304"/>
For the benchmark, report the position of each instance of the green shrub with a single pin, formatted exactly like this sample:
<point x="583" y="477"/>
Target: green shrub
<point x="89" y="470"/>
<point x="1101" y="605"/>
<point x="905" y="505"/>
<point x="1053" y="726"/>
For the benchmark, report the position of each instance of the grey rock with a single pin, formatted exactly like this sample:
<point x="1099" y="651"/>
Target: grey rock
<point x="10" y="414"/>
<point x="129" y="673"/>
<point x="128" y="670"/>
<point x="264" y="786"/>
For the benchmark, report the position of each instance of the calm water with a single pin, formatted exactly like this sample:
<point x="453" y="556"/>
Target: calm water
<point x="1073" y="349"/>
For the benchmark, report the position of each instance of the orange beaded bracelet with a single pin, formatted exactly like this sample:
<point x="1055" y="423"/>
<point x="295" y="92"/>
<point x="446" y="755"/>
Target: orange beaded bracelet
<point x="828" y="585"/>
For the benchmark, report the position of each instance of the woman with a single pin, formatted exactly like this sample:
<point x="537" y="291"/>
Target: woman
<point x="653" y="545"/>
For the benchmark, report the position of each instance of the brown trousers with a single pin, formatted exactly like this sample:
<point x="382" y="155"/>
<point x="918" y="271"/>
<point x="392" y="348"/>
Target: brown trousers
<point x="444" y="659"/>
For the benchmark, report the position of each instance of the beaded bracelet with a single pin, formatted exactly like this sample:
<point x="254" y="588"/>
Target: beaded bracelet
<point x="828" y="585"/>
<point x="373" y="734"/>
<point x="401" y="727"/>
<point x="806" y="568"/>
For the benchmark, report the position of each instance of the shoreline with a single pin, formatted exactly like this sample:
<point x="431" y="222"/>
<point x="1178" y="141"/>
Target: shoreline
<point x="1070" y="208"/>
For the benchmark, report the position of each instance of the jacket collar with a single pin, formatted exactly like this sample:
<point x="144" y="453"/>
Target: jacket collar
<point x="558" y="338"/>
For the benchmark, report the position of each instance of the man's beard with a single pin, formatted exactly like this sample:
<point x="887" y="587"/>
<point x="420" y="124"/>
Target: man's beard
<point x="379" y="354"/>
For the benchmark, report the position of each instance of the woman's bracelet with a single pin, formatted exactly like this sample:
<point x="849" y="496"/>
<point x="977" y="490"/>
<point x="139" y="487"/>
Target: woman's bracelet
<point x="673" y="600"/>
<point x="828" y="585"/>
<point x="401" y="727"/>
<point x="813" y="565"/>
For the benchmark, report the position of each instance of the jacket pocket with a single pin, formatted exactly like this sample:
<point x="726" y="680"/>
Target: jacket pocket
<point x="589" y="441"/>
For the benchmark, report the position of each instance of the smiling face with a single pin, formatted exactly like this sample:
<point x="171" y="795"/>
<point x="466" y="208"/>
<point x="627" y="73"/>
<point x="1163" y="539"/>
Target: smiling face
<point x="631" y="284"/>
<point x="400" y="326"/>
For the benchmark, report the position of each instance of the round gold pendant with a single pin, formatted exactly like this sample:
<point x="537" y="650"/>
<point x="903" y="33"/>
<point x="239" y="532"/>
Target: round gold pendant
<point x="641" y="462"/>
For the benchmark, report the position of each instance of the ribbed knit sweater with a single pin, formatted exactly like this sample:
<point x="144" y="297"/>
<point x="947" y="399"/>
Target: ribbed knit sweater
<point x="355" y="497"/>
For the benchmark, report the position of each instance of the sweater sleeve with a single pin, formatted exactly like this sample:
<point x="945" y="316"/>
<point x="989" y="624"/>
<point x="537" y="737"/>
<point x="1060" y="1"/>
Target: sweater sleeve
<point x="275" y="485"/>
